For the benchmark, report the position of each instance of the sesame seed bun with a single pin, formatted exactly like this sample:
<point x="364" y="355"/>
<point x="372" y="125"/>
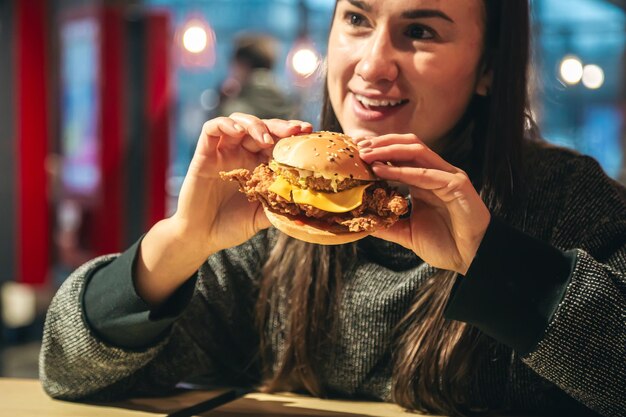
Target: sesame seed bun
<point x="326" y="153"/>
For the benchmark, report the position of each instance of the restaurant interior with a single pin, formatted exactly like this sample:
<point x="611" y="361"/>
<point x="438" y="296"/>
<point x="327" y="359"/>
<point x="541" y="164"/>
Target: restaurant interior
<point x="101" y="102"/>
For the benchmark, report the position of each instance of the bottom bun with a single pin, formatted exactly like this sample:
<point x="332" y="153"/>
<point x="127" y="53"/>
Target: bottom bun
<point x="309" y="233"/>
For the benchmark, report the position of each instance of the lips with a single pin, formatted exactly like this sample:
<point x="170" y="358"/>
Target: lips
<point x="368" y="102"/>
<point x="374" y="109"/>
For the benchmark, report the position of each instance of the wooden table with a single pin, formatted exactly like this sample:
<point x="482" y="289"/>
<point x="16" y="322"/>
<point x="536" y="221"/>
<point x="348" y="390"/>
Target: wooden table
<point x="26" y="398"/>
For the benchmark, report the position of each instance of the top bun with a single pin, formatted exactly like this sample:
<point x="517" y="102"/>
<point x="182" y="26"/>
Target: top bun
<point x="327" y="153"/>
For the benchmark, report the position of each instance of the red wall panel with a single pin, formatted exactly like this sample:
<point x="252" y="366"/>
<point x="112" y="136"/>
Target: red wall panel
<point x="32" y="142"/>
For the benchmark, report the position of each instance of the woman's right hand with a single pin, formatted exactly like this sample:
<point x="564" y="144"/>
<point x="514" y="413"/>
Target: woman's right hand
<point x="211" y="214"/>
<point x="212" y="210"/>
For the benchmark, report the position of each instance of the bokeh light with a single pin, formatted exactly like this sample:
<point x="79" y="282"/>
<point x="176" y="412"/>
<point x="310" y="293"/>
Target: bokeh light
<point x="593" y="76"/>
<point x="571" y="70"/>
<point x="305" y="61"/>
<point x="195" y="39"/>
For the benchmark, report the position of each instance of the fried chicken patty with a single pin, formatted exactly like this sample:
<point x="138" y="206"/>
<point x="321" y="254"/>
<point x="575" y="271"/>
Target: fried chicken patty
<point x="292" y="176"/>
<point x="382" y="206"/>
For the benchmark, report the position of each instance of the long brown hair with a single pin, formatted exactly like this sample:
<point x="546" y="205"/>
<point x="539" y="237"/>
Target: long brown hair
<point x="433" y="358"/>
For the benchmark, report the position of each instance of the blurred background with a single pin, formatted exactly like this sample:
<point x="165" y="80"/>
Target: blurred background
<point x="101" y="102"/>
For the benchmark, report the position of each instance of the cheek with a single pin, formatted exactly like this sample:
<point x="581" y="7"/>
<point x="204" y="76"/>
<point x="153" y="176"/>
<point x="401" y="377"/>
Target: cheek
<point x="340" y="55"/>
<point x="339" y="44"/>
<point x="445" y="88"/>
<point x="339" y="69"/>
<point x="456" y="74"/>
<point x="456" y="90"/>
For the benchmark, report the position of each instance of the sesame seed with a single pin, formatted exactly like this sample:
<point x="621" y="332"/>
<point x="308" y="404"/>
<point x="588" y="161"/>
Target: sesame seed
<point x="317" y="154"/>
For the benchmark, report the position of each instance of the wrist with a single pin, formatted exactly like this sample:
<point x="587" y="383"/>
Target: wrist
<point x="186" y="234"/>
<point x="474" y="245"/>
<point x="167" y="258"/>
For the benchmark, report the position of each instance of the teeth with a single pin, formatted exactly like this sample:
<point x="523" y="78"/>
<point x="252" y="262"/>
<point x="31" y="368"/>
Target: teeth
<point x="377" y="103"/>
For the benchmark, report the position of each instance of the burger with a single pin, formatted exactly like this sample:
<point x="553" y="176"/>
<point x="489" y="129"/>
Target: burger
<point x="315" y="188"/>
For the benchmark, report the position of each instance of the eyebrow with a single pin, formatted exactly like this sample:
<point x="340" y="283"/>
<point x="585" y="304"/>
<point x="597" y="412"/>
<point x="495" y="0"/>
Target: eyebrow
<point x="410" y="14"/>
<point x="426" y="13"/>
<point x="360" y="5"/>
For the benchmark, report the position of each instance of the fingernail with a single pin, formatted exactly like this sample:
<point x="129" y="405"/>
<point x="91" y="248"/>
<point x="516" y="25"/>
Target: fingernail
<point x="306" y="125"/>
<point x="267" y="138"/>
<point x="239" y="128"/>
<point x="367" y="150"/>
<point x="364" y="143"/>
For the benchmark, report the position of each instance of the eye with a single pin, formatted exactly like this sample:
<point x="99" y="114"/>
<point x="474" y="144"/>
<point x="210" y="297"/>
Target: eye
<point x="419" y="32"/>
<point x="354" y="19"/>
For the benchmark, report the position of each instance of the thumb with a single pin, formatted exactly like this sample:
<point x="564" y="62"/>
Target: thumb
<point x="260" y="219"/>
<point x="399" y="232"/>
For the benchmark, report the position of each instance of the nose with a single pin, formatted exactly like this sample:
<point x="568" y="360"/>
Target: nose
<point x="377" y="61"/>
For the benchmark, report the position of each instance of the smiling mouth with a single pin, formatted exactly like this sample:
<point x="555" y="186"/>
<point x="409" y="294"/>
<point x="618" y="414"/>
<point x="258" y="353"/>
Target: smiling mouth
<point x="369" y="103"/>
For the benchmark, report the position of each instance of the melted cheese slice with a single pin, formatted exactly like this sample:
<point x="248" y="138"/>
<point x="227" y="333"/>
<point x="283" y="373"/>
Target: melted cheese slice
<point x="340" y="202"/>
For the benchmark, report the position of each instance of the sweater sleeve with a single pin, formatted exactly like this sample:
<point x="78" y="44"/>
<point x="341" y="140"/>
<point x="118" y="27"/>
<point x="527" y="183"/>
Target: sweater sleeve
<point x="583" y="350"/>
<point x="566" y="297"/>
<point x="118" y="315"/>
<point x="211" y="334"/>
<point x="512" y="288"/>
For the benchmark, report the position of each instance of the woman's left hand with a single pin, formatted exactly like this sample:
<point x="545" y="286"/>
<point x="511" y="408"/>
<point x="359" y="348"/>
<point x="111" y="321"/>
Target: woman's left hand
<point x="448" y="218"/>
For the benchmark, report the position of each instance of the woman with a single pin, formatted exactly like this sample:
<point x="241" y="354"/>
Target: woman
<point x="524" y="242"/>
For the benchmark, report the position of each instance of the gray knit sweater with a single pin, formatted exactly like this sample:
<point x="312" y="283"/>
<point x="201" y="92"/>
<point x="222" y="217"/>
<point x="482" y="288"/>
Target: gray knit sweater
<point x="577" y="356"/>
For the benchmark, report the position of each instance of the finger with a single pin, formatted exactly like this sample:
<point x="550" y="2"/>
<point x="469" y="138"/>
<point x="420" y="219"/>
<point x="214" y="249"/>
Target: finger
<point x="214" y="130"/>
<point x="399" y="232"/>
<point x="425" y="178"/>
<point x="447" y="186"/>
<point x="220" y="126"/>
<point x="285" y="128"/>
<point x="252" y="145"/>
<point x="260" y="219"/>
<point x="387" y="139"/>
<point x="388" y="150"/>
<point x="278" y="121"/>
<point x="414" y="153"/>
<point x="305" y="126"/>
<point x="255" y="128"/>
<point x="421" y="197"/>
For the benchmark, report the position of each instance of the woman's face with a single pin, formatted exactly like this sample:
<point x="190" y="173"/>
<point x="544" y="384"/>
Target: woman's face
<point x="405" y="66"/>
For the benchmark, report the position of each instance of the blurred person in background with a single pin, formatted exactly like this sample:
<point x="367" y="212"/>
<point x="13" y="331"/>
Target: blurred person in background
<point x="251" y="87"/>
<point x="503" y="291"/>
